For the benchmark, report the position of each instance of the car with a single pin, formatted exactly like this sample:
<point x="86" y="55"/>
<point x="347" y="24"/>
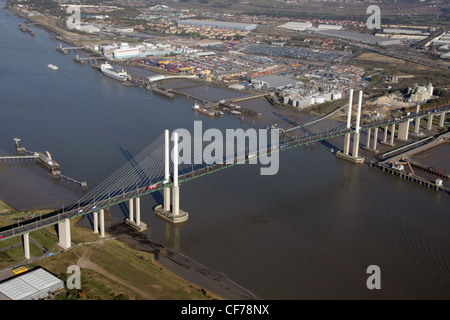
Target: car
<point x="1" y="236"/>
<point x="153" y="186"/>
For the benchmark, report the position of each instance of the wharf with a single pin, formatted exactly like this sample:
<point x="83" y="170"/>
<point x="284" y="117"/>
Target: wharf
<point x="23" y="27"/>
<point x="166" y="93"/>
<point x="405" y="157"/>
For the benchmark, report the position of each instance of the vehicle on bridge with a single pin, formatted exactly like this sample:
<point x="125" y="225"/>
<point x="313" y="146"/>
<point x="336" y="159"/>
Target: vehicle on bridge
<point x="153" y="186"/>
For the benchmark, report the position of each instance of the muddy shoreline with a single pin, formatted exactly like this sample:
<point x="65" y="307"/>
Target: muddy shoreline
<point x="183" y="266"/>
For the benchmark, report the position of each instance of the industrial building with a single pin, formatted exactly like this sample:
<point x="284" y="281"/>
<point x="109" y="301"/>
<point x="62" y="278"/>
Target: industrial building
<point x="297" y="26"/>
<point x="33" y="285"/>
<point x="359" y="37"/>
<point x="273" y="82"/>
<point x="218" y="24"/>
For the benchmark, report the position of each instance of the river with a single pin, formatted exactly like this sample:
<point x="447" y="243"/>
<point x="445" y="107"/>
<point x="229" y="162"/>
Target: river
<point x="308" y="232"/>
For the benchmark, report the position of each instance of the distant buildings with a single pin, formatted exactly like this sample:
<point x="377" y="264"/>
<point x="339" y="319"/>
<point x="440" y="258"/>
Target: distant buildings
<point x="273" y="82"/>
<point x="297" y="26"/>
<point x="218" y="24"/>
<point x="420" y="93"/>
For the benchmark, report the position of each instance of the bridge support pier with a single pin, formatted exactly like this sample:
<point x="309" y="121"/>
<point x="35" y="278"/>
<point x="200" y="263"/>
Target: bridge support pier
<point x="375" y="141"/>
<point x="95" y="218"/>
<point x="442" y="119"/>
<point x="391" y="142"/>
<point x="135" y="224"/>
<point x="430" y="122"/>
<point x="102" y="223"/>
<point x="65" y="241"/>
<point x="417" y="122"/>
<point x="403" y="131"/>
<point x="176" y="215"/>
<point x="344" y="155"/>
<point x="26" y="245"/>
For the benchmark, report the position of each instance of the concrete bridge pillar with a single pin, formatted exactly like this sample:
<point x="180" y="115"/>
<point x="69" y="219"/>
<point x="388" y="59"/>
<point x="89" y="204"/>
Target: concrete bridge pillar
<point x="369" y="132"/>
<point x="135" y="224"/>
<point x="65" y="241"/>
<point x="403" y="130"/>
<point x="95" y="218"/>
<point x="102" y="223"/>
<point x="131" y="210"/>
<point x="385" y="134"/>
<point x="430" y="122"/>
<point x="375" y="139"/>
<point x="26" y="245"/>
<point x="392" y="134"/>
<point x="138" y="211"/>
<point x="442" y="119"/>
<point x="417" y="122"/>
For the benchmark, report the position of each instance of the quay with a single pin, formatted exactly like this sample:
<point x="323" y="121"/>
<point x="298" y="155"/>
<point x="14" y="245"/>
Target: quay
<point x="166" y="93"/>
<point x="392" y="164"/>
<point x="65" y="50"/>
<point x="24" y="28"/>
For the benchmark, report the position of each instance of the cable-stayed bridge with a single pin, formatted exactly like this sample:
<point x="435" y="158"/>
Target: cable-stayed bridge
<point x="151" y="170"/>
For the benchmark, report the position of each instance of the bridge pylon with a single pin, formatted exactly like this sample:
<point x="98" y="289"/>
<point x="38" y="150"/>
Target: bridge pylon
<point x="172" y="214"/>
<point x="354" y="157"/>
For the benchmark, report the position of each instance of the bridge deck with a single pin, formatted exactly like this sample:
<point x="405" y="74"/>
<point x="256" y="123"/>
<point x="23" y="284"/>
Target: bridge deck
<point x="123" y="195"/>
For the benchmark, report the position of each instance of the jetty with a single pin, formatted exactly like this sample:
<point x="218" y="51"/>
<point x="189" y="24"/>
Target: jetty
<point x="24" y="28"/>
<point x="43" y="159"/>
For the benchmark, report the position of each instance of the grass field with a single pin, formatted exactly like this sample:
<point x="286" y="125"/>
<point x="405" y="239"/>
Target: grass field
<point x="110" y="269"/>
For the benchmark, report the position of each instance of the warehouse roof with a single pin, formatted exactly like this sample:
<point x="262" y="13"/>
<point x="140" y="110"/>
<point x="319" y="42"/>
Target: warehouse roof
<point x="219" y="24"/>
<point x="274" y="81"/>
<point x="29" y="285"/>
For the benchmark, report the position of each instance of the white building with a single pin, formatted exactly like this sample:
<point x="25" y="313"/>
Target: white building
<point x="298" y="26"/>
<point x="33" y="285"/>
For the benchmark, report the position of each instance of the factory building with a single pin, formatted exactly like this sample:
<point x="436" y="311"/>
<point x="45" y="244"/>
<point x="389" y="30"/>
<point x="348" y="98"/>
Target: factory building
<point x="218" y="24"/>
<point x="33" y="285"/>
<point x="298" y="26"/>
<point x="273" y="82"/>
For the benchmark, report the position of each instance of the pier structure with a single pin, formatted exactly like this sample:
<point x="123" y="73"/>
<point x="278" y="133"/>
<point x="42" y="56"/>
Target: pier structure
<point x="65" y="50"/>
<point x="354" y="156"/>
<point x="45" y="160"/>
<point x="172" y="214"/>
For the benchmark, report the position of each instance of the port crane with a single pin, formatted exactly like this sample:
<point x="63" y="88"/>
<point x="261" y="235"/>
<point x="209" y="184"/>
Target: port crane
<point x="406" y="163"/>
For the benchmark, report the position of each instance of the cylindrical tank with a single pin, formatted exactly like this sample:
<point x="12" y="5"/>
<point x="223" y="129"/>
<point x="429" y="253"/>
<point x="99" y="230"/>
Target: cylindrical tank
<point x="319" y="99"/>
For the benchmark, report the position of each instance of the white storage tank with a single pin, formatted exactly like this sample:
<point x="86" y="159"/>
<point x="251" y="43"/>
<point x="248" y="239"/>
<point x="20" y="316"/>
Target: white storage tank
<point x="327" y="96"/>
<point x="336" y="95"/>
<point x="319" y="99"/>
<point x="286" y="100"/>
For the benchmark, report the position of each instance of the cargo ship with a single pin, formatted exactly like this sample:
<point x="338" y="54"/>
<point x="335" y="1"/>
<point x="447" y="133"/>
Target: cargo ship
<point x="109" y="71"/>
<point x="196" y="107"/>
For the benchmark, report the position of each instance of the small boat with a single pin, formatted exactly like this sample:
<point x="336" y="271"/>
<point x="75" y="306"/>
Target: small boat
<point x="51" y="66"/>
